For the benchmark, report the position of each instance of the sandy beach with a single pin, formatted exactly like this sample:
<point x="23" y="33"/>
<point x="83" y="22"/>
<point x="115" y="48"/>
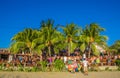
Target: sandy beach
<point x="104" y="74"/>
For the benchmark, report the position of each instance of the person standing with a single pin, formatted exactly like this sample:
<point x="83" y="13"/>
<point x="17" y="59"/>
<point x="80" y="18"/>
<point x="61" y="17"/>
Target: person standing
<point x="84" y="56"/>
<point x="85" y="67"/>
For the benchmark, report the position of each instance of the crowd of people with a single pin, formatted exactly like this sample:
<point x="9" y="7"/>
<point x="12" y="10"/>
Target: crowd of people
<point x="73" y="63"/>
<point x="76" y="63"/>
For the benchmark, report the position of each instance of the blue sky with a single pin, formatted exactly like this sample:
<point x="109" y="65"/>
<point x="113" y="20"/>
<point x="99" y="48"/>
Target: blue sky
<point x="15" y="15"/>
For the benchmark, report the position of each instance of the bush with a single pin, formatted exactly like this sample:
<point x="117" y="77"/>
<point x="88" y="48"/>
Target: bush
<point x="117" y="62"/>
<point x="107" y="69"/>
<point x="58" y="65"/>
<point x="43" y="65"/>
<point x="1" y="66"/>
<point x="34" y="69"/>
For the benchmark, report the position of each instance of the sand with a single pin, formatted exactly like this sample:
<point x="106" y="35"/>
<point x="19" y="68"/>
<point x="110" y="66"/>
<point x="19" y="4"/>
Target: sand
<point x="103" y="74"/>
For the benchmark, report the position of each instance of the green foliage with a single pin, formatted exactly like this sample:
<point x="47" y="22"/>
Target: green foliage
<point x="82" y="47"/>
<point x="71" y="33"/>
<point x="50" y="39"/>
<point x="24" y="40"/>
<point x="95" y="50"/>
<point x="117" y="62"/>
<point x="59" y="65"/>
<point x="118" y="68"/>
<point x="43" y="65"/>
<point x="1" y="66"/>
<point x="35" y="69"/>
<point x="107" y="69"/>
<point x="115" y="47"/>
<point x="90" y="35"/>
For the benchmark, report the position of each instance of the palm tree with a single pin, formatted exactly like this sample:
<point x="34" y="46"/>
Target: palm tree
<point x="49" y="35"/>
<point x="115" y="48"/>
<point x="91" y="37"/>
<point x="71" y="33"/>
<point x="24" y="40"/>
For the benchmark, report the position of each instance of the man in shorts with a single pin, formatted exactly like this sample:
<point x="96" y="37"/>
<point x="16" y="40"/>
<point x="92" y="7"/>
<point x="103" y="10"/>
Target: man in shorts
<point x="85" y="67"/>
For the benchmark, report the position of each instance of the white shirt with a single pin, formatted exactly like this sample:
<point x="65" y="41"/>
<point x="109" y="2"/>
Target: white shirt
<point x="84" y="56"/>
<point x="65" y="59"/>
<point x="85" y="63"/>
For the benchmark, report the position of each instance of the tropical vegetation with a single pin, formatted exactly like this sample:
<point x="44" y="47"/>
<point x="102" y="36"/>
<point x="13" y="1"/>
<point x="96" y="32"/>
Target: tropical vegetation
<point x="69" y="37"/>
<point x="115" y="48"/>
<point x="53" y="39"/>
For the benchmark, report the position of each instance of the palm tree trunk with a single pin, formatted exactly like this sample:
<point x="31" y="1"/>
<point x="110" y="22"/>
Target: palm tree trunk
<point x="49" y="51"/>
<point x="30" y="51"/>
<point x="89" y="50"/>
<point x="69" y="50"/>
<point x="89" y="53"/>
